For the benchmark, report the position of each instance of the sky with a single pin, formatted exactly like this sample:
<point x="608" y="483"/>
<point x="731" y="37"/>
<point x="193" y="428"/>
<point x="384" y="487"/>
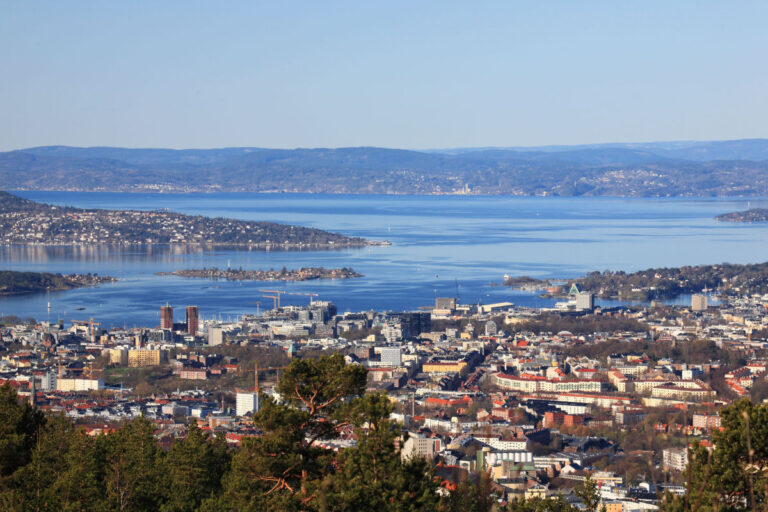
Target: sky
<point x="424" y="74"/>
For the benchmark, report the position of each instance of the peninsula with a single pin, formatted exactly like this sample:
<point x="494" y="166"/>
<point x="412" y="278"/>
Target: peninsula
<point x="16" y="283"/>
<point x="746" y="216"/>
<point x="27" y="222"/>
<point x="725" y="279"/>
<point x="232" y="274"/>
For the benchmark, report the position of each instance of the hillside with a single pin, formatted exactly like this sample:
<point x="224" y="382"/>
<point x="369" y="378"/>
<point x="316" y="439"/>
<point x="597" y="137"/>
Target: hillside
<point x="725" y="168"/>
<point x="13" y="283"/>
<point x="27" y="222"/>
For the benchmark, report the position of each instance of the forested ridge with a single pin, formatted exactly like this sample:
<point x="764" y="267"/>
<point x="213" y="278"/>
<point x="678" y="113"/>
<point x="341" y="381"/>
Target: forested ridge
<point x="13" y="282"/>
<point x="719" y="168"/>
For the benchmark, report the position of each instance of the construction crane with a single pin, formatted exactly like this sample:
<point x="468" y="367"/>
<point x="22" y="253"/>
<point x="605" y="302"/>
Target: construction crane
<point x="311" y="295"/>
<point x="275" y="297"/>
<point x="256" y="371"/>
<point x="258" y="303"/>
<point x="91" y="325"/>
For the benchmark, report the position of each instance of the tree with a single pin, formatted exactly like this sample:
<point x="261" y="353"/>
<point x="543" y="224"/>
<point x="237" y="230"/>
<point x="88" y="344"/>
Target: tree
<point x="193" y="469"/>
<point x="372" y="475"/>
<point x="589" y="494"/>
<point x="19" y="425"/>
<point x="281" y="470"/>
<point x="82" y="485"/>
<point x="35" y="481"/>
<point x="732" y="476"/>
<point x="132" y="476"/>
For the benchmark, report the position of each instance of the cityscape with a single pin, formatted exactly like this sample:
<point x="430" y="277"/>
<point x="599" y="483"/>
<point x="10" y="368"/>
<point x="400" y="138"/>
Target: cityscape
<point x="394" y="257"/>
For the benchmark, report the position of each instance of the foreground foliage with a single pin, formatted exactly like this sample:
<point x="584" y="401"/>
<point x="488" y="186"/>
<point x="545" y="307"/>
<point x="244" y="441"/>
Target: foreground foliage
<point x="734" y="475"/>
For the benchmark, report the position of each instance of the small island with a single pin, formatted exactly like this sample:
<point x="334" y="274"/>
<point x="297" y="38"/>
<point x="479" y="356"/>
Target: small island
<point x="15" y="283"/>
<point x="239" y="274"/>
<point x="746" y="216"/>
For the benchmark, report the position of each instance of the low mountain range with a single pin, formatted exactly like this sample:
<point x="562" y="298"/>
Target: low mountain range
<point x="720" y="168"/>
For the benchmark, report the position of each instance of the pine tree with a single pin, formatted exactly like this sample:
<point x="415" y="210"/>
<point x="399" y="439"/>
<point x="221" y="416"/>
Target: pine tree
<point x="281" y="469"/>
<point x="193" y="469"/>
<point x="19" y="425"/>
<point x="35" y="481"/>
<point x="132" y="475"/>
<point x="372" y="475"/>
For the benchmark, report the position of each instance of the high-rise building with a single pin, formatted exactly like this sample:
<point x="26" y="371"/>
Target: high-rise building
<point x="166" y="316"/>
<point x="698" y="302"/>
<point x="391" y="356"/>
<point x="445" y="303"/>
<point x="247" y="403"/>
<point x="585" y="301"/>
<point x="215" y="335"/>
<point x="192" y="320"/>
<point x="414" y="323"/>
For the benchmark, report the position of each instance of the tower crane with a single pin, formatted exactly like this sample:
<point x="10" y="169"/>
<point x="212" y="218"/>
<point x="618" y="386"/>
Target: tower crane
<point x="311" y="295"/>
<point x="275" y="297"/>
<point x="91" y="325"/>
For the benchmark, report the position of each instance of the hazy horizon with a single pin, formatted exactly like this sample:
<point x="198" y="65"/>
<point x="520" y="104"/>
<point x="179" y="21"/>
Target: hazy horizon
<point x="424" y="150"/>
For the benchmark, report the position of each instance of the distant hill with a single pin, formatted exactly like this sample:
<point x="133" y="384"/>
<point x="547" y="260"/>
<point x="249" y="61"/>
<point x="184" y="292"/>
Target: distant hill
<point x="720" y="168"/>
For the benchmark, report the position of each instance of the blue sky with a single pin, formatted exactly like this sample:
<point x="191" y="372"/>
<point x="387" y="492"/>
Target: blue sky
<point x="396" y="74"/>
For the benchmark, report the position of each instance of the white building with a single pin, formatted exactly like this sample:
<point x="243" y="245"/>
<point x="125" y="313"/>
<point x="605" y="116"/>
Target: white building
<point x="585" y="301"/>
<point x="215" y="336"/>
<point x="675" y="459"/>
<point x="79" y="384"/>
<point x="247" y="403"/>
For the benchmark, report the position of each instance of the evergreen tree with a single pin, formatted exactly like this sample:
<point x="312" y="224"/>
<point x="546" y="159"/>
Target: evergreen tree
<point x="193" y="469"/>
<point x="81" y="487"/>
<point x="372" y="475"/>
<point x="34" y="482"/>
<point x="132" y="471"/>
<point x="733" y="476"/>
<point x="589" y="494"/>
<point x="280" y="470"/>
<point x="19" y="425"/>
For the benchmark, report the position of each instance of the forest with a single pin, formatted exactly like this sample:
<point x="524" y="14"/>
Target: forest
<point x="12" y="282"/>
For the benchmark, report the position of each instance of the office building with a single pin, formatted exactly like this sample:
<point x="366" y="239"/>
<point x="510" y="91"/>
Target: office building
<point x="585" y="301"/>
<point x="166" y="317"/>
<point x="414" y="324"/>
<point x="391" y="356"/>
<point x="192" y="320"/>
<point x="215" y="335"/>
<point x="699" y="302"/>
<point x="247" y="403"/>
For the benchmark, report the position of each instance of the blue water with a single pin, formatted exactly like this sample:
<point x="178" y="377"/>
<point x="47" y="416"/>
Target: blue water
<point x="441" y="245"/>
